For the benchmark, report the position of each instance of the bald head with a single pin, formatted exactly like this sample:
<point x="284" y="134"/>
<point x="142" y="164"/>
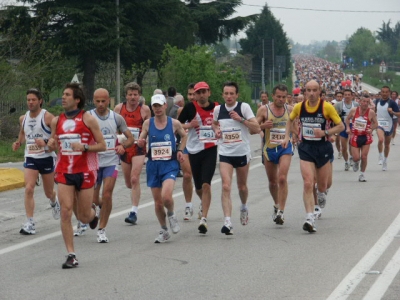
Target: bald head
<point x="103" y="93"/>
<point x="312" y="84"/>
<point x="312" y="91"/>
<point x="101" y="100"/>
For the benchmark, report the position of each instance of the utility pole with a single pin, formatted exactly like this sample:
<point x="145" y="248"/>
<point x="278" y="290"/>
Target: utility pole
<point x="262" y="70"/>
<point x="273" y="64"/>
<point x="118" y="72"/>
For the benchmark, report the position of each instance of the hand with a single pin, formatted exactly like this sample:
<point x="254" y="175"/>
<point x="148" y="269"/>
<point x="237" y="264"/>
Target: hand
<point x="120" y="149"/>
<point x="234" y="115"/>
<point x="52" y="142"/>
<point x="40" y="142"/>
<point x="16" y="145"/>
<point x="285" y="143"/>
<point x="319" y="133"/>
<point x="218" y="134"/>
<point x="194" y="123"/>
<point x="181" y="157"/>
<point x="141" y="143"/>
<point x="77" y="147"/>
<point x="267" y="124"/>
<point x="390" y="110"/>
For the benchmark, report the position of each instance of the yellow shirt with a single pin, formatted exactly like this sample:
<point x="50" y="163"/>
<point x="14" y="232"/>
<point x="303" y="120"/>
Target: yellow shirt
<point x="329" y="110"/>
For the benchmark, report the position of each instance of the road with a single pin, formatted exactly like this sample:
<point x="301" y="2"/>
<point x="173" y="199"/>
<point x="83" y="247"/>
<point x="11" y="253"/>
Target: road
<point x="358" y="233"/>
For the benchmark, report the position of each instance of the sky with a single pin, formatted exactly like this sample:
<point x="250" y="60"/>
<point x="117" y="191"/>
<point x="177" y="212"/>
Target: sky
<point x="305" y="26"/>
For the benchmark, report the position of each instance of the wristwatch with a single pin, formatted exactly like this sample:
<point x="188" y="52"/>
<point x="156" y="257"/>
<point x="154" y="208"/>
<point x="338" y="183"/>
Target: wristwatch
<point x="85" y="148"/>
<point x="326" y="132"/>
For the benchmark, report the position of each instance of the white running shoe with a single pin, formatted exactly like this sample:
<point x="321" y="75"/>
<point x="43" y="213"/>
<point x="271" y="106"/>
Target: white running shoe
<point x="203" y="226"/>
<point x="351" y="161"/>
<point x="101" y="236"/>
<point x="56" y="209"/>
<point x="173" y="223"/>
<point x="362" y="178"/>
<point x="28" y="228"/>
<point x="279" y="220"/>
<point x="162" y="237"/>
<point x="275" y="213"/>
<point x="309" y="225"/>
<point x="188" y="213"/>
<point x="384" y="166"/>
<point x="80" y="229"/>
<point x="380" y="160"/>
<point x="317" y="212"/>
<point x="321" y="198"/>
<point x="227" y="228"/>
<point x="356" y="166"/>
<point x="200" y="213"/>
<point x="346" y="166"/>
<point x="339" y="155"/>
<point x="244" y="217"/>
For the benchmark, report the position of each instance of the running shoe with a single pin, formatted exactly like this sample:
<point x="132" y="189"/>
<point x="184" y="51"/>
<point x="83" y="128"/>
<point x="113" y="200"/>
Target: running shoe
<point x="339" y="155"/>
<point x="162" y="237"/>
<point x="71" y="262"/>
<point x="279" y="220"/>
<point x="203" y="226"/>
<point x="80" y="229"/>
<point x="227" y="229"/>
<point x="309" y="225"/>
<point x="28" y="228"/>
<point x="56" y="209"/>
<point x="131" y="218"/>
<point x="384" y="167"/>
<point x="39" y="180"/>
<point x="346" y="166"/>
<point x="275" y="213"/>
<point x="101" y="236"/>
<point x="362" y="178"/>
<point x="380" y="160"/>
<point x="95" y="221"/>
<point x="244" y="217"/>
<point x="351" y="161"/>
<point x="321" y="197"/>
<point x="188" y="213"/>
<point x="356" y="166"/>
<point x="173" y="223"/>
<point x="317" y="213"/>
<point x="200" y="213"/>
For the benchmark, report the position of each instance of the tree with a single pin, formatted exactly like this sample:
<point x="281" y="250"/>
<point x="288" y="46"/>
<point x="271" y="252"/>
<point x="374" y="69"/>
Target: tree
<point x="390" y="36"/>
<point x="214" y="22"/>
<point x="266" y="28"/>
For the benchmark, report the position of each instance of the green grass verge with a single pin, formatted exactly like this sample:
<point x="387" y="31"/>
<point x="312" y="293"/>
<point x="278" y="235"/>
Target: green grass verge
<point x="8" y="155"/>
<point x="373" y="77"/>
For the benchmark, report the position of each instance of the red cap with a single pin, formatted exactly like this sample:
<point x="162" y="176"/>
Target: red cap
<point x="202" y="85"/>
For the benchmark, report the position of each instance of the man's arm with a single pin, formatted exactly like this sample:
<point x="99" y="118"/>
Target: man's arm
<point x="21" y="135"/>
<point x="374" y="121"/>
<point x="179" y="130"/>
<point x="117" y="109"/>
<point x="145" y="112"/>
<point x="94" y="127"/>
<point x="348" y="118"/>
<point x="143" y="135"/>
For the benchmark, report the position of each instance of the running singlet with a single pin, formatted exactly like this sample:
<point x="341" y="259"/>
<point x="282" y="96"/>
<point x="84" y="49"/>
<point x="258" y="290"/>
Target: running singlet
<point x="162" y="144"/>
<point x="36" y="128"/>
<point x="310" y="121"/>
<point x="74" y="131"/>
<point x="134" y="121"/>
<point x="201" y="137"/>
<point x="275" y="135"/>
<point x="360" y="123"/>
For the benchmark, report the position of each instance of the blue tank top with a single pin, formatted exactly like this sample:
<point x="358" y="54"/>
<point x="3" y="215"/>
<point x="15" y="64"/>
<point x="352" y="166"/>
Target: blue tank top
<point x="162" y="145"/>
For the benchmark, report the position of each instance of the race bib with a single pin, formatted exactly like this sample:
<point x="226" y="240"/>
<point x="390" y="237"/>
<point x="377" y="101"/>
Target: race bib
<point x="277" y="135"/>
<point x="384" y="123"/>
<point x="110" y="142"/>
<point x="206" y="134"/>
<point x="161" y="151"/>
<point x="360" y="124"/>
<point x="308" y="131"/>
<point x="231" y="135"/>
<point x="135" y="132"/>
<point x="66" y="141"/>
<point x="33" y="148"/>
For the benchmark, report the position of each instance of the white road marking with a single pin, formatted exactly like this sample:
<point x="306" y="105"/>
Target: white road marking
<point x="123" y="212"/>
<point x="356" y="275"/>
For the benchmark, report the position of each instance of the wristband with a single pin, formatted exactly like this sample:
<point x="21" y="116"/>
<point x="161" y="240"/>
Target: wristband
<point x="179" y="151"/>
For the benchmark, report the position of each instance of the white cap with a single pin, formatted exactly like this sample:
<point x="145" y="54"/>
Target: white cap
<point x="158" y="99"/>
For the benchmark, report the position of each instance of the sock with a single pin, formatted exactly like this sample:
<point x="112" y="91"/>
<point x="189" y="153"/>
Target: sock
<point x="134" y="209"/>
<point x="310" y="216"/>
<point x="243" y="207"/>
<point x="170" y="213"/>
<point x="164" y="227"/>
<point x="71" y="253"/>
<point x="385" y="159"/>
<point x="190" y="205"/>
<point x="228" y="220"/>
<point x="31" y="220"/>
<point x="380" y="154"/>
<point x="205" y="219"/>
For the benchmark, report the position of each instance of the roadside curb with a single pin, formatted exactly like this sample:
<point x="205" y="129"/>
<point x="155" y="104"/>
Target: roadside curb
<point x="11" y="179"/>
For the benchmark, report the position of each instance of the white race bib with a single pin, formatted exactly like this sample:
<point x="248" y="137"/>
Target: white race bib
<point x="308" y="131"/>
<point x="135" y="132"/>
<point x="360" y="124"/>
<point x="110" y="142"/>
<point x="231" y="135"/>
<point x="161" y="151"/>
<point x="206" y="134"/>
<point x="66" y="141"/>
<point x="33" y="148"/>
<point x="384" y="123"/>
<point x="277" y="135"/>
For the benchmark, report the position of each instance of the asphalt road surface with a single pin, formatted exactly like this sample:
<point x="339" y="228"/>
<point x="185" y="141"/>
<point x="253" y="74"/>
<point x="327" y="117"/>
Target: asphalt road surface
<point x="354" y="255"/>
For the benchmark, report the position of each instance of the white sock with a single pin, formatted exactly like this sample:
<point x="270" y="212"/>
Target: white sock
<point x="228" y="220"/>
<point x="381" y="155"/>
<point x="385" y="159"/>
<point x="310" y="216"/>
<point x="134" y="209"/>
<point x="243" y="207"/>
<point x="190" y="205"/>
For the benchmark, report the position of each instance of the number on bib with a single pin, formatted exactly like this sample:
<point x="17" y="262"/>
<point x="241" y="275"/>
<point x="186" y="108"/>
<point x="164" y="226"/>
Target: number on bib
<point x="308" y="131"/>
<point x="66" y="141"/>
<point x="161" y="151"/>
<point x="231" y="135"/>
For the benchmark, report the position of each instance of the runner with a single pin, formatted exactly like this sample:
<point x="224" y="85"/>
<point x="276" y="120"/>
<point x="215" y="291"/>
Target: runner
<point x="110" y="124"/>
<point x="343" y="108"/>
<point x="315" y="150"/>
<point x="35" y="131"/>
<point x="394" y="96"/>
<point x="272" y="119"/>
<point x="162" y="165"/>
<point x="133" y="159"/>
<point x="338" y="144"/>
<point x="233" y="123"/>
<point x="363" y="121"/>
<point x="197" y="117"/>
<point x="78" y="137"/>
<point x="385" y="109"/>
